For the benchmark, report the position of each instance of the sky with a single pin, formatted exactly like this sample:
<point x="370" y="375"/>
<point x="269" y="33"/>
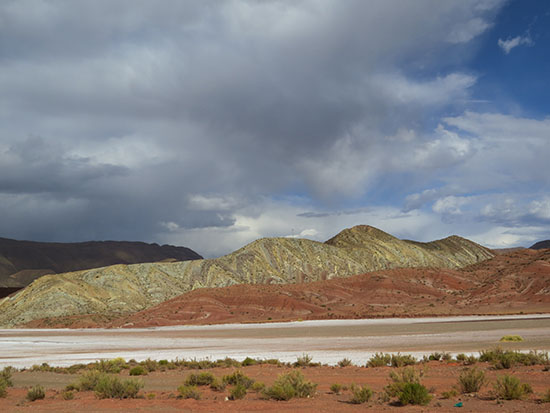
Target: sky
<point x="212" y="123"/>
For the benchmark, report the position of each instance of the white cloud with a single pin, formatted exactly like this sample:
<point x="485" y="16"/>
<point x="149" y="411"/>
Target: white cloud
<point x="510" y="43"/>
<point x="467" y="31"/>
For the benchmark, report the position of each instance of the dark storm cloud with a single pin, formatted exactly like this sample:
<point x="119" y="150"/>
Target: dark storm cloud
<point x="119" y="115"/>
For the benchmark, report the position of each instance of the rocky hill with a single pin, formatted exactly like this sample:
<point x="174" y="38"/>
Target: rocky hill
<point x="21" y="262"/>
<point x="124" y="289"/>
<point x="541" y="245"/>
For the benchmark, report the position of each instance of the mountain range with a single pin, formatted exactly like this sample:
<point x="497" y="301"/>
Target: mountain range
<point x="116" y="291"/>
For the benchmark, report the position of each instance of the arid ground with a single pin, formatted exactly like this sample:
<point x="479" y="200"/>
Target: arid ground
<point x="160" y="391"/>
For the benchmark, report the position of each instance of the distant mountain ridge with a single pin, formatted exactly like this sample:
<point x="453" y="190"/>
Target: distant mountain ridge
<point x="124" y="289"/>
<point x="540" y="245"/>
<point x="21" y="262"/>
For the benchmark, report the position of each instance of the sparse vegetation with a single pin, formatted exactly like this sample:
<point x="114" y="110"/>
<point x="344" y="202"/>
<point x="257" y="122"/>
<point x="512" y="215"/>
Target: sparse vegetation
<point x="138" y="371"/>
<point x="336" y="388"/>
<point x="511" y="388"/>
<point x="511" y="338"/>
<point x="36" y="393"/>
<point x="471" y="380"/>
<point x="238" y="378"/>
<point x="505" y="359"/>
<point x="201" y="379"/>
<point x="360" y="394"/>
<point x="5" y="375"/>
<point x="68" y="395"/>
<point x="89" y="380"/>
<point x="111" y="387"/>
<point x="218" y="385"/>
<point x="345" y="362"/>
<point x="189" y="392"/>
<point x="402" y="360"/>
<point x="237" y="392"/>
<point x="303" y="361"/>
<point x="405" y="385"/>
<point x="3" y="386"/>
<point x="379" y="360"/>
<point x="449" y="394"/>
<point x="290" y="385"/>
<point x="546" y="398"/>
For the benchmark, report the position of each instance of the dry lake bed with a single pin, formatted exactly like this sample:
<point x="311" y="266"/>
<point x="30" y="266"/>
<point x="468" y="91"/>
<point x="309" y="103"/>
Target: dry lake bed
<point x="327" y="341"/>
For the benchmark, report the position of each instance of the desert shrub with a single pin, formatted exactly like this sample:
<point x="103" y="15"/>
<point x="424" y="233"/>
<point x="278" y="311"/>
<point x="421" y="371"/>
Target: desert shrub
<point x="379" y="360"/>
<point x="449" y="394"/>
<point x="546" y="398"/>
<point x="237" y="392"/>
<point x="512" y="338"/>
<point x="75" y="368"/>
<point x="405" y="385"/>
<point x="202" y="379"/>
<point x="471" y="380"/>
<point x="360" y="394"/>
<point x="414" y="393"/>
<point x="511" y="388"/>
<point x="111" y="366"/>
<point x="110" y="387"/>
<point x="228" y="362"/>
<point x="249" y="362"/>
<point x="189" y="392"/>
<point x="218" y="385"/>
<point x="150" y="365"/>
<point x="163" y="363"/>
<point x="5" y="375"/>
<point x="402" y="360"/>
<point x="303" y="361"/>
<point x="89" y="380"/>
<point x="344" y="362"/>
<point x="68" y="395"/>
<point x="435" y="356"/>
<point x="36" y="393"/>
<point x="289" y="385"/>
<point x="138" y="371"/>
<point x="3" y="387"/>
<point x="238" y="378"/>
<point x="336" y="388"/>
<point x="258" y="386"/>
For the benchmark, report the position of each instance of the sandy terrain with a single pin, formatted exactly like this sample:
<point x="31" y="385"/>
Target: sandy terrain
<point x="326" y="340"/>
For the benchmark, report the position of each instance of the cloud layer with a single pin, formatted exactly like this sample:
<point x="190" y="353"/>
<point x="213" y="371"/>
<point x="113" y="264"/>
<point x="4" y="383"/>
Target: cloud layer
<point x="212" y="123"/>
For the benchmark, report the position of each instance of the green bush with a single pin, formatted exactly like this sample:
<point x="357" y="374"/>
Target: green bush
<point x="89" y="380"/>
<point x="546" y="398"/>
<point x="471" y="380"/>
<point x="237" y="392"/>
<point x="303" y="361"/>
<point x="202" y="379"/>
<point x="414" y="393"/>
<point x="289" y="385"/>
<point x="336" y="388"/>
<point x="3" y="386"/>
<point x="238" y="378"/>
<point x="5" y="375"/>
<point x="360" y="394"/>
<point x="504" y="359"/>
<point x="249" y="362"/>
<point x="449" y="394"/>
<point x="218" y="385"/>
<point x="189" y="392"/>
<point x="111" y="366"/>
<point x="511" y="338"/>
<point x="379" y="360"/>
<point x="405" y="385"/>
<point x="68" y="395"/>
<point x="511" y="388"/>
<point x="258" y="386"/>
<point x="399" y="360"/>
<point x="138" y="371"/>
<point x="110" y="387"/>
<point x="36" y="393"/>
<point x="150" y="365"/>
<point x="345" y="362"/>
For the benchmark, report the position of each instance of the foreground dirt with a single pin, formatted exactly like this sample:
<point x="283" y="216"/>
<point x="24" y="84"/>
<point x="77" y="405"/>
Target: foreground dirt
<point x="159" y="393"/>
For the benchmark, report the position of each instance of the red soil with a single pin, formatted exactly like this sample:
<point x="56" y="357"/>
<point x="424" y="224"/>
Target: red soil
<point x="160" y="391"/>
<point x="507" y="284"/>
